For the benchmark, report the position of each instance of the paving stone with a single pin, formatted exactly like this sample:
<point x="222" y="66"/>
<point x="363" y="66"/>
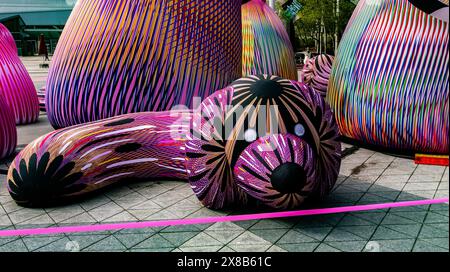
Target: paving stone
<point x="65" y="213"/>
<point x="326" y="248"/>
<point x="85" y="240"/>
<point x="436" y="218"/>
<point x="365" y="232"/>
<point x="165" y="249"/>
<point x="411" y="230"/>
<point x="61" y="245"/>
<point x="95" y="202"/>
<point x="384" y="233"/>
<point x="132" y="239"/>
<point x="301" y="247"/>
<point x="271" y="235"/>
<point x="22" y="215"/>
<point x="440" y="242"/>
<point x="341" y="235"/>
<point x="14" y="246"/>
<point x="179" y="238"/>
<point x="201" y="249"/>
<point x="109" y="244"/>
<point x="317" y="233"/>
<point x="354" y="246"/>
<point x="225" y="236"/>
<point x="424" y="246"/>
<point x="248" y="238"/>
<point x="155" y="241"/>
<point x="295" y="237"/>
<point x="5" y="221"/>
<point x="393" y="219"/>
<point x="276" y="249"/>
<point x="225" y="226"/>
<point x="33" y="243"/>
<point x="433" y="231"/>
<point x="121" y="217"/>
<point x="401" y="245"/>
<point x="417" y="217"/>
<point x="83" y="218"/>
<point x="105" y="211"/>
<point x="130" y="200"/>
<point x="226" y="249"/>
<point x="201" y="240"/>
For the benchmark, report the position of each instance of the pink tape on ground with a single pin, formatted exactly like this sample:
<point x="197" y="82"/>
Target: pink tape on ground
<point x="210" y="220"/>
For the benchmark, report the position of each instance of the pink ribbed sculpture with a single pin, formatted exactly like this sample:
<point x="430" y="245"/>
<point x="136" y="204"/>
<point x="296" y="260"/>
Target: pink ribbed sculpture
<point x="8" y="133"/>
<point x="15" y="83"/>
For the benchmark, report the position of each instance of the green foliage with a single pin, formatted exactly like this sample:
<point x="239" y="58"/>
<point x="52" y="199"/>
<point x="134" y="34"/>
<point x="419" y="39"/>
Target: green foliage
<point x="317" y="17"/>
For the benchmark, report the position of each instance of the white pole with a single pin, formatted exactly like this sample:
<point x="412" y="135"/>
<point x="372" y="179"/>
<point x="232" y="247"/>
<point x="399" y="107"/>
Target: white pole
<point x="272" y="4"/>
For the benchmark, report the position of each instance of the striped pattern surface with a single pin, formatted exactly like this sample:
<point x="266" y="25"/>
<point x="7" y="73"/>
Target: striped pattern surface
<point x="123" y="56"/>
<point x="267" y="48"/>
<point x="8" y="133"/>
<point x="316" y="73"/>
<point x="254" y="176"/>
<point x="265" y="105"/>
<point x="16" y="86"/>
<point x="75" y="161"/>
<point x="41" y="96"/>
<point x="390" y="81"/>
<point x="7" y="38"/>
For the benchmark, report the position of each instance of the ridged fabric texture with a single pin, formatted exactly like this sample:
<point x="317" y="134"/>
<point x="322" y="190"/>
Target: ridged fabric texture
<point x="124" y="56"/>
<point x="41" y="96"/>
<point x="316" y="73"/>
<point x="293" y="114"/>
<point x="85" y="158"/>
<point x="16" y="86"/>
<point x="8" y="133"/>
<point x="390" y="82"/>
<point x="75" y="161"/>
<point x="267" y="48"/>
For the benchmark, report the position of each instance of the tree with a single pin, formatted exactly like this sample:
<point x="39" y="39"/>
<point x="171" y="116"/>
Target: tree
<point x="320" y="23"/>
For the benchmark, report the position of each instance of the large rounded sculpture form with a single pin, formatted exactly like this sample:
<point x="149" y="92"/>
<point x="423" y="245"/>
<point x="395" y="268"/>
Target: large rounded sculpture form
<point x="16" y="86"/>
<point x="263" y="139"/>
<point x="267" y="48"/>
<point x="124" y="56"/>
<point x="390" y="82"/>
<point x="8" y="133"/>
<point x="316" y="73"/>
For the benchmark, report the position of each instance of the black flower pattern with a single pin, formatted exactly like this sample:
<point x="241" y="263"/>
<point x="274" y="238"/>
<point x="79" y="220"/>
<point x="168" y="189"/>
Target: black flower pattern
<point x="43" y="182"/>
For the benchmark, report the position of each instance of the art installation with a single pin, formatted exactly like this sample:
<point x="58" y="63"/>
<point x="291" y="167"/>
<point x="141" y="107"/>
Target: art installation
<point x="124" y="56"/>
<point x="267" y="48"/>
<point x="263" y="139"/>
<point x="8" y="132"/>
<point x="390" y="82"/>
<point x="15" y="83"/>
<point x="41" y="97"/>
<point x="316" y="73"/>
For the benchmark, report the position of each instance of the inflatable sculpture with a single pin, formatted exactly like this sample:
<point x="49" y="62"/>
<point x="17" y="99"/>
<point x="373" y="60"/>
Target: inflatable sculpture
<point x="8" y="133"/>
<point x="390" y="82"/>
<point x="124" y="56"/>
<point x="267" y="48"/>
<point x="263" y="138"/>
<point x="41" y="96"/>
<point x="316" y="73"/>
<point x="15" y="83"/>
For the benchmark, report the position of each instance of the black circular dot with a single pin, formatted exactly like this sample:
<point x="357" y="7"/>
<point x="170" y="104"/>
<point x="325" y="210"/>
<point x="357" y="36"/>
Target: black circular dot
<point x="120" y="122"/>
<point x="266" y="88"/>
<point x="128" y="147"/>
<point x="288" y="178"/>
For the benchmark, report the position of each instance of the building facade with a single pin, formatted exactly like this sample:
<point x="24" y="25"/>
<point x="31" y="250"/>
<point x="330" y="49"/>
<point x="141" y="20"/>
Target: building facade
<point x="28" y="19"/>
